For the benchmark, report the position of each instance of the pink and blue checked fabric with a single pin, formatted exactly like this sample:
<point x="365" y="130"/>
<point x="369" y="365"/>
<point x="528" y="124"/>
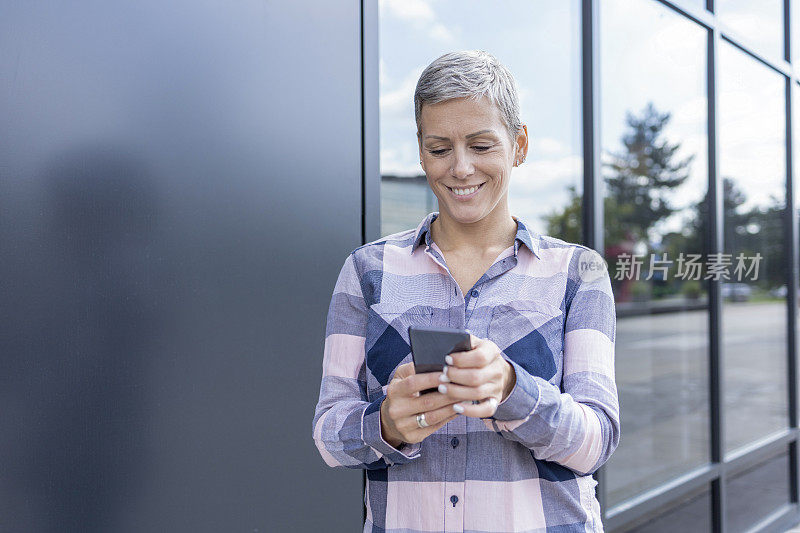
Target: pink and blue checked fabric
<point x="526" y="469"/>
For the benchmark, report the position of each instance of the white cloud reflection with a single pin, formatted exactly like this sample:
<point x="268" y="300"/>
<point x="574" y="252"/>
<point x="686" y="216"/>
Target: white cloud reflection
<point x="397" y="103"/>
<point x="413" y="11"/>
<point x="752" y="127"/>
<point x="420" y="15"/>
<point x="758" y="23"/>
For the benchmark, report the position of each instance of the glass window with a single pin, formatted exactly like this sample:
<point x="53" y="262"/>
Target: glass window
<point x="699" y="4"/>
<point x="759" y="23"/>
<point x="654" y="122"/>
<point x="757" y="492"/>
<point x="752" y="166"/>
<point x="692" y="513"/>
<point x="539" y="42"/>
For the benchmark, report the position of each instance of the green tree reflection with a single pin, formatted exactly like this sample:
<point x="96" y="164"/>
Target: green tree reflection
<point x="641" y="182"/>
<point x="641" y="179"/>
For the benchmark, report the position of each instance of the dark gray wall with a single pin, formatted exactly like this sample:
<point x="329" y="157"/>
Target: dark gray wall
<point x="179" y="186"/>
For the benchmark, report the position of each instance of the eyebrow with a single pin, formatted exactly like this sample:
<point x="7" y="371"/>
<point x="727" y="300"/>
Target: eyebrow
<point x="468" y="136"/>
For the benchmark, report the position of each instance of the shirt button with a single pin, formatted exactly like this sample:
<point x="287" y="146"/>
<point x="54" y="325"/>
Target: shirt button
<point x="454" y="442"/>
<point x="475" y="293"/>
<point x="454" y="500"/>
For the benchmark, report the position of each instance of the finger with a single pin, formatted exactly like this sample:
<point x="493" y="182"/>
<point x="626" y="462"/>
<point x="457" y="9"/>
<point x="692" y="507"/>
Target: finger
<point x="414" y="403"/>
<point x="418" y="382"/>
<point x="400" y="373"/>
<point x="428" y="402"/>
<point x="422" y="433"/>
<point x="456" y="392"/>
<point x="404" y="371"/>
<point x="435" y="427"/>
<point x="478" y="357"/>
<point x="473" y="341"/>
<point x="484" y="409"/>
<point x="433" y="417"/>
<point x="471" y="377"/>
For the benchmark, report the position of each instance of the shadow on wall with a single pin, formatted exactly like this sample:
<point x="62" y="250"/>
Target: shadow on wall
<point x="75" y="348"/>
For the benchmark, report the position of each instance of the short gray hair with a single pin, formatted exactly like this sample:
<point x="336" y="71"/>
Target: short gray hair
<point x="472" y="74"/>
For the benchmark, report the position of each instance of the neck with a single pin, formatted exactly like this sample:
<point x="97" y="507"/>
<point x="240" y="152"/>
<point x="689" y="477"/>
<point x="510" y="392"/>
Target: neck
<point x="495" y="231"/>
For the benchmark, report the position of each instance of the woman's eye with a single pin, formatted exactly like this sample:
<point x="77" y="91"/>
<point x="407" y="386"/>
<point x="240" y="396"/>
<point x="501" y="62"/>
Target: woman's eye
<point x="438" y="152"/>
<point x="481" y="148"/>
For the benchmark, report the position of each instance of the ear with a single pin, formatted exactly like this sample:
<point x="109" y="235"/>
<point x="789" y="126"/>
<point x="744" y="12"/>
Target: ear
<point x="522" y="142"/>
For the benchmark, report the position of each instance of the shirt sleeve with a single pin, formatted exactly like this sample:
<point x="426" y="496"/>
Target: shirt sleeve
<point x="346" y="426"/>
<point x="578" y="428"/>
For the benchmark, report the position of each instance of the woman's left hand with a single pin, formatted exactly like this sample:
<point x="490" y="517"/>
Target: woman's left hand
<point x="479" y="374"/>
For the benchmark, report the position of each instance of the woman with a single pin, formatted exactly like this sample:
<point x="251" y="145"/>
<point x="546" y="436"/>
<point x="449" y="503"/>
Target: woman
<point x="520" y="421"/>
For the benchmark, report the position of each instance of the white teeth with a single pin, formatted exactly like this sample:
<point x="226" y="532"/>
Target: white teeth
<point x="462" y="192"/>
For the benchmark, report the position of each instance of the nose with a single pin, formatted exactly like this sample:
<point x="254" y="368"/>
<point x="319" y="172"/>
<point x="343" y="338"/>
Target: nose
<point x="462" y="164"/>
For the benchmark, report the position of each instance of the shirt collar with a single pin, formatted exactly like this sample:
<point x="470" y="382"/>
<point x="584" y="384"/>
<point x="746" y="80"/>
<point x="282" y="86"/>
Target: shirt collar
<point x="524" y="235"/>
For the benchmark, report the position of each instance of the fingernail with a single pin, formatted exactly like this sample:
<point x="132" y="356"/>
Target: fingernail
<point x="448" y="359"/>
<point x="443" y="388"/>
<point x="444" y="369"/>
<point x="444" y="379"/>
<point x="458" y="408"/>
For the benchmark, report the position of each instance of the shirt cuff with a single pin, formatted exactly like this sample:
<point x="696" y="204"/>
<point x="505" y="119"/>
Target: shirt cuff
<point x="372" y="437"/>
<point x="522" y="399"/>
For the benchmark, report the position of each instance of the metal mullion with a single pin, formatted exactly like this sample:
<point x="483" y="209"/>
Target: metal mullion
<point x="792" y="258"/>
<point x="592" y="176"/>
<point x="787" y="44"/>
<point x="781" y="67"/>
<point x="792" y="263"/>
<point x="651" y="503"/>
<point x="711" y="21"/>
<point x="592" y="223"/>
<point x="700" y="16"/>
<point x="780" y="520"/>
<point x="758" y="452"/>
<point x="370" y="117"/>
<point x="370" y="147"/>
<point x="793" y="473"/>
<point x="741" y="41"/>
<point x="791" y="250"/>
<point x="791" y="300"/>
<point x="715" y="245"/>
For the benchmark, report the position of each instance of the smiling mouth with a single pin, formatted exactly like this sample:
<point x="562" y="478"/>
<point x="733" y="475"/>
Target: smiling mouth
<point x="466" y="191"/>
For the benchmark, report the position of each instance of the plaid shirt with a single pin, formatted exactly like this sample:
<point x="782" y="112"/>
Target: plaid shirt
<point x="528" y="467"/>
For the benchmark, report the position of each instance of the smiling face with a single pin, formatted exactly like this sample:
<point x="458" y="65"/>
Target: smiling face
<point x="464" y="144"/>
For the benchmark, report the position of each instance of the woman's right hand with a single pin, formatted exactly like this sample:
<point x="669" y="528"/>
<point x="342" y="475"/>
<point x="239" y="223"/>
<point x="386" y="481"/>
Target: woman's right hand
<point x="403" y="403"/>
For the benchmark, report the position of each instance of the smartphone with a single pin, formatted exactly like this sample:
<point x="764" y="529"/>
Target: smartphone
<point x="429" y="346"/>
